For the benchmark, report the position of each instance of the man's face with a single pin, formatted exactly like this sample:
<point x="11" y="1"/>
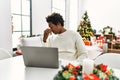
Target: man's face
<point x="54" y="28"/>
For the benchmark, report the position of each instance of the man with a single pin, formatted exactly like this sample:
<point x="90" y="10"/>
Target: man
<point x="69" y="43"/>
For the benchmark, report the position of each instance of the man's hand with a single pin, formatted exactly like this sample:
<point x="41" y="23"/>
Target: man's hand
<point x="46" y="34"/>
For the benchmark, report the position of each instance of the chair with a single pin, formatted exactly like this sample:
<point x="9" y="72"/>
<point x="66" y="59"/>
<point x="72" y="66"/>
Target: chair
<point x="31" y="41"/>
<point x="93" y="52"/>
<point x="4" y="54"/>
<point x="110" y="59"/>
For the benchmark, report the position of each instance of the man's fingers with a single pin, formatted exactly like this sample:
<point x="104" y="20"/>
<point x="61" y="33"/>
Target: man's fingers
<point x="46" y="34"/>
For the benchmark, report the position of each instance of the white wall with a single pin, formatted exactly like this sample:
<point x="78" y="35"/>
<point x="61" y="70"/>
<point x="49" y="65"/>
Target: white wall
<point x="5" y="25"/>
<point x="40" y="10"/>
<point x="73" y="15"/>
<point x="80" y="10"/>
<point x="103" y="13"/>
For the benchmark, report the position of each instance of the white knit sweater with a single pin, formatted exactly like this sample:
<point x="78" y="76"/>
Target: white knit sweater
<point x="69" y="44"/>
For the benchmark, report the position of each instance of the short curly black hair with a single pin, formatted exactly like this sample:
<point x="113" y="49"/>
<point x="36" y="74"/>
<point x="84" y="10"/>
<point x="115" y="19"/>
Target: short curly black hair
<point x="55" y="18"/>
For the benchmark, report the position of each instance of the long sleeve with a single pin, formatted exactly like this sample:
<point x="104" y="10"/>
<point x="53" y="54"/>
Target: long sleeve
<point x="81" y="49"/>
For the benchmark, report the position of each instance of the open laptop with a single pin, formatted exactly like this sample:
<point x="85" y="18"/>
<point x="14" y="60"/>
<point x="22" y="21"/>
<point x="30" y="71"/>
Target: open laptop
<point x="45" y="57"/>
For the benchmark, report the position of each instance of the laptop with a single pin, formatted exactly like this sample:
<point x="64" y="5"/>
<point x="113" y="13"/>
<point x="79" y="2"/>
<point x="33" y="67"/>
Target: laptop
<point x="45" y="57"/>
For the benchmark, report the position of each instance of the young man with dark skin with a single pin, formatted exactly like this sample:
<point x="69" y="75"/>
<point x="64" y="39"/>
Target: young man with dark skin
<point x="69" y="43"/>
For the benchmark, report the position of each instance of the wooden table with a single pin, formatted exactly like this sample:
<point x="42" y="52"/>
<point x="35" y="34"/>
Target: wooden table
<point x="114" y="51"/>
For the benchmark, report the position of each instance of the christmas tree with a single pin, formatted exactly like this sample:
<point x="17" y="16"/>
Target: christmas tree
<point x="84" y="28"/>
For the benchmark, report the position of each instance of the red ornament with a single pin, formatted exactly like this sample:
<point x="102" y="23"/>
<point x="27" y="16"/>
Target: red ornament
<point x="103" y="67"/>
<point x="72" y="78"/>
<point x="19" y="52"/>
<point x="91" y="77"/>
